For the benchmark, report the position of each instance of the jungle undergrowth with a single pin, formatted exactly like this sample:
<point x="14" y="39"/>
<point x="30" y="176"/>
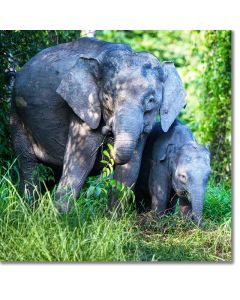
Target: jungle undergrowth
<point x="90" y="233"/>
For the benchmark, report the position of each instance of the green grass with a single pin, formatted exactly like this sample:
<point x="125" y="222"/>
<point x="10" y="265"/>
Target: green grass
<point x="88" y="233"/>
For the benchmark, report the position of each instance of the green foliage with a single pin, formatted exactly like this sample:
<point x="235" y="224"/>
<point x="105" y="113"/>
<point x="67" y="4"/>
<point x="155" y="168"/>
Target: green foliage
<point x="44" y="174"/>
<point x="165" y="45"/>
<point x="218" y="203"/>
<point x="216" y="101"/>
<point x="105" y="185"/>
<point x="89" y="233"/>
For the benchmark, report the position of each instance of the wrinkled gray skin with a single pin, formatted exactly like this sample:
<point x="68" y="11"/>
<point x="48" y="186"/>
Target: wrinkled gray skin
<point x="68" y="97"/>
<point x="173" y="166"/>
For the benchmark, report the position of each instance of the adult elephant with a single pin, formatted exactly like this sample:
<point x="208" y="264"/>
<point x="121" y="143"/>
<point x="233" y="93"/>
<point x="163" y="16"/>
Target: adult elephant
<point x="68" y="96"/>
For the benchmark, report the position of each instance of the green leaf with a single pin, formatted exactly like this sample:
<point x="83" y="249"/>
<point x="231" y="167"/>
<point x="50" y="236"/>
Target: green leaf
<point x="90" y="191"/>
<point x="104" y="162"/>
<point x="110" y="147"/>
<point x="106" y="153"/>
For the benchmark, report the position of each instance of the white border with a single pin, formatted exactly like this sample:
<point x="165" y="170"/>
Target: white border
<point x="126" y="281"/>
<point x="124" y="14"/>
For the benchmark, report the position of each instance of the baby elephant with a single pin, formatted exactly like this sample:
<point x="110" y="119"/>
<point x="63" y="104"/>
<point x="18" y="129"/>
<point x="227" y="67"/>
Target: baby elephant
<point x="173" y="166"/>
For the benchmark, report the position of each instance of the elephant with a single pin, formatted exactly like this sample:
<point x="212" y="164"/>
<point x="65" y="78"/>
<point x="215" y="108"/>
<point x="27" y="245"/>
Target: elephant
<point x="174" y="166"/>
<point x="69" y="97"/>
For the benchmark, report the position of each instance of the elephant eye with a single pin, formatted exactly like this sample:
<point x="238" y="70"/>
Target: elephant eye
<point x="151" y="100"/>
<point x="150" y="103"/>
<point x="106" y="97"/>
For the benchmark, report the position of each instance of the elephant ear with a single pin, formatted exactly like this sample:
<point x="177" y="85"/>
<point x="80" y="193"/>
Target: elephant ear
<point x="79" y="89"/>
<point x="169" y="152"/>
<point x="173" y="96"/>
<point x="166" y="150"/>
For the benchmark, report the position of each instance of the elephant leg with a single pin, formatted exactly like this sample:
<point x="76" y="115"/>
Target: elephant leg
<point x="127" y="174"/>
<point x="80" y="154"/>
<point x="159" y="188"/>
<point x="159" y="204"/>
<point x="185" y="207"/>
<point x="171" y="207"/>
<point x="26" y="158"/>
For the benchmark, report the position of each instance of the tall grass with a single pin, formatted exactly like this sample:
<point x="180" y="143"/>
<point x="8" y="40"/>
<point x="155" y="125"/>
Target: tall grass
<point x="89" y="233"/>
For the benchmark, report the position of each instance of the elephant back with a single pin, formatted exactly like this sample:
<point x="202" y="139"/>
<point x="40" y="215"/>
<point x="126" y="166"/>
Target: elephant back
<point x="39" y="78"/>
<point x="62" y="57"/>
<point x="177" y="135"/>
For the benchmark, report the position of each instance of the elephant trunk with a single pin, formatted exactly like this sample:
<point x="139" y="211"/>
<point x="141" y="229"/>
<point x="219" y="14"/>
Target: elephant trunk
<point x="127" y="127"/>
<point x="197" y="196"/>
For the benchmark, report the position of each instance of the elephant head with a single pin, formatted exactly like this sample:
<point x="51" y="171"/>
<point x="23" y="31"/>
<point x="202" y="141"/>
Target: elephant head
<point x="126" y="89"/>
<point x="190" y="168"/>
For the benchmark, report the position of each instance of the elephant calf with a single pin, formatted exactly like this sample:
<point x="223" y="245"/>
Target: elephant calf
<point x="173" y="166"/>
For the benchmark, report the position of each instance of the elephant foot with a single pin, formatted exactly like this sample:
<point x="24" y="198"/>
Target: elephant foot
<point x="63" y="207"/>
<point x="190" y="216"/>
<point x="197" y="219"/>
<point x="63" y="202"/>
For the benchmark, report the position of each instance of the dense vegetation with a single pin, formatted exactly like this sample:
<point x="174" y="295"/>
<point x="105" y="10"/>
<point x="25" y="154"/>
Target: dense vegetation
<point x="216" y="103"/>
<point x="203" y="59"/>
<point x="89" y="233"/>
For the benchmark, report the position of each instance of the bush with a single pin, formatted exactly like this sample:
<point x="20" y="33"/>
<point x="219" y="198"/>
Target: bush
<point x="216" y="102"/>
